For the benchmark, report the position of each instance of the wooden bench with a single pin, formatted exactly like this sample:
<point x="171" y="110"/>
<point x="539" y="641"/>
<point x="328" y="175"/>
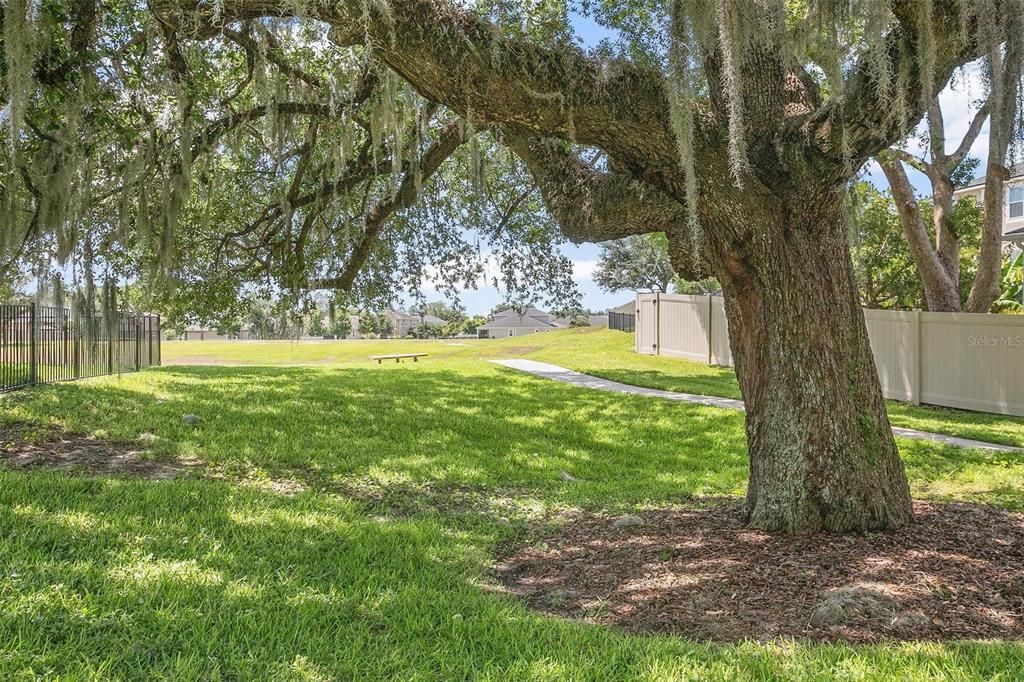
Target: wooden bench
<point x="397" y="357"/>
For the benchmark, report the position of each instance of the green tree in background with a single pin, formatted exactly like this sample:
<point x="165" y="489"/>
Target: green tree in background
<point x="315" y="325"/>
<point x="376" y="326"/>
<point x="426" y="331"/>
<point x="887" y="274"/>
<point x="1012" y="285"/>
<point x="468" y="325"/>
<point x="636" y="263"/>
<point x="341" y="327"/>
<point x="439" y="309"/>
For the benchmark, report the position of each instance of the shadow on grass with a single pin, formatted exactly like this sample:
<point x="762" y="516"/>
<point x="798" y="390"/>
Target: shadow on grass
<point x="204" y="580"/>
<point x="493" y="429"/>
<point x="717" y="381"/>
<point x="952" y="575"/>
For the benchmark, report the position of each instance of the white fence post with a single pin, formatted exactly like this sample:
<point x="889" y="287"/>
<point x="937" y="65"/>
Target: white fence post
<point x="657" y="323"/>
<point x="636" y="322"/>
<point x="711" y="331"/>
<point x="915" y="368"/>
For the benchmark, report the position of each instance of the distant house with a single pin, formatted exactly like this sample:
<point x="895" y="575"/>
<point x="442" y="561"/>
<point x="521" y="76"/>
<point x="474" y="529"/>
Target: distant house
<point x="401" y="323"/>
<point x="1013" y="202"/>
<point x="404" y="323"/>
<point x="518" y="323"/>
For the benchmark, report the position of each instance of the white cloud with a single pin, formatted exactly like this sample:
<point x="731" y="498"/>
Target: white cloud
<point x="583" y="269"/>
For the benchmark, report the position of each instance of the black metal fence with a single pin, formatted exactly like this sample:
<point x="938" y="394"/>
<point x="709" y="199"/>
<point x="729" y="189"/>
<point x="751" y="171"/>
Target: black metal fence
<point x="43" y="345"/>
<point x="624" y="322"/>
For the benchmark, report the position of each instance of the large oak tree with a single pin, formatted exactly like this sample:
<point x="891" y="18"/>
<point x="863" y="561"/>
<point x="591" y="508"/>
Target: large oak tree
<point x="733" y="126"/>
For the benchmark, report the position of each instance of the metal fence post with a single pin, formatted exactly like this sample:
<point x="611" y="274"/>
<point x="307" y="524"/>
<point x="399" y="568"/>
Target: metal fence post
<point x="32" y="328"/>
<point x="112" y="333"/>
<point x="75" y="325"/>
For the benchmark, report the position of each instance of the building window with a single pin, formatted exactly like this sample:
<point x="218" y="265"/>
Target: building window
<point x="1017" y="202"/>
<point x="511" y="332"/>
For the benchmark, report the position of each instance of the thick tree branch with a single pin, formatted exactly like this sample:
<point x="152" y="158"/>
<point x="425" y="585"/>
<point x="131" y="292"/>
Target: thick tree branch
<point x="1005" y="112"/>
<point x="273" y="54"/>
<point x="459" y="59"/>
<point x="590" y="205"/>
<point x="593" y="206"/>
<point x="936" y="131"/>
<point x="911" y="160"/>
<point x="865" y="112"/>
<point x="964" y="148"/>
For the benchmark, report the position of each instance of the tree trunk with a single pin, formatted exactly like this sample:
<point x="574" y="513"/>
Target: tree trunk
<point x="940" y="278"/>
<point x="822" y="454"/>
<point x="947" y="241"/>
<point x="1006" y="73"/>
<point x="985" y="289"/>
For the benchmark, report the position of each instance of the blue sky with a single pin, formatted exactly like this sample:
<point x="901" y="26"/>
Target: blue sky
<point x="958" y="103"/>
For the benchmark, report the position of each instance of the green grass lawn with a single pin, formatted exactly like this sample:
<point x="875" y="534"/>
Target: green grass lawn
<point x="601" y="352"/>
<point x="374" y="561"/>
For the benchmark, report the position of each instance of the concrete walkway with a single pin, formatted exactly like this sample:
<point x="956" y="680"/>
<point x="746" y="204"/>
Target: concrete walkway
<point x="568" y="376"/>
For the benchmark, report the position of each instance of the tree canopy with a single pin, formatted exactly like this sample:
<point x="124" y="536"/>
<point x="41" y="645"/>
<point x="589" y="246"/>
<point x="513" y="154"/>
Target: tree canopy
<point x="261" y="159"/>
<point x="637" y="263"/>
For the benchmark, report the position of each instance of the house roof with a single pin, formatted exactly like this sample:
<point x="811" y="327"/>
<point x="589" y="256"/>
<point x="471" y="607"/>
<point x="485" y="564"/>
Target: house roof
<point x="525" y="312"/>
<point x="1016" y="171"/>
<point x="627" y="307"/>
<point x="530" y="318"/>
<point x="426" y="319"/>
<point x="1015" y="236"/>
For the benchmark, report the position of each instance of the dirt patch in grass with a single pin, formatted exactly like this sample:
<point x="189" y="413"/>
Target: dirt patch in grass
<point x="957" y="573"/>
<point x="31" y="446"/>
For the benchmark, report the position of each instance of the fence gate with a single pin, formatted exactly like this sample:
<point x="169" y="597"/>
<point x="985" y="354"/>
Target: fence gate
<point x="647" y="323"/>
<point x="43" y="345"/>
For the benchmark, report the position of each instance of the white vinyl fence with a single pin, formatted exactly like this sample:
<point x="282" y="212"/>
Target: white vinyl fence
<point x="964" y="360"/>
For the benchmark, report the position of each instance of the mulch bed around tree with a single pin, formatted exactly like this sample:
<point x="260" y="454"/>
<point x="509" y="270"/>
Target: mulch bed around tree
<point x="27" y="446"/>
<point x="956" y="573"/>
